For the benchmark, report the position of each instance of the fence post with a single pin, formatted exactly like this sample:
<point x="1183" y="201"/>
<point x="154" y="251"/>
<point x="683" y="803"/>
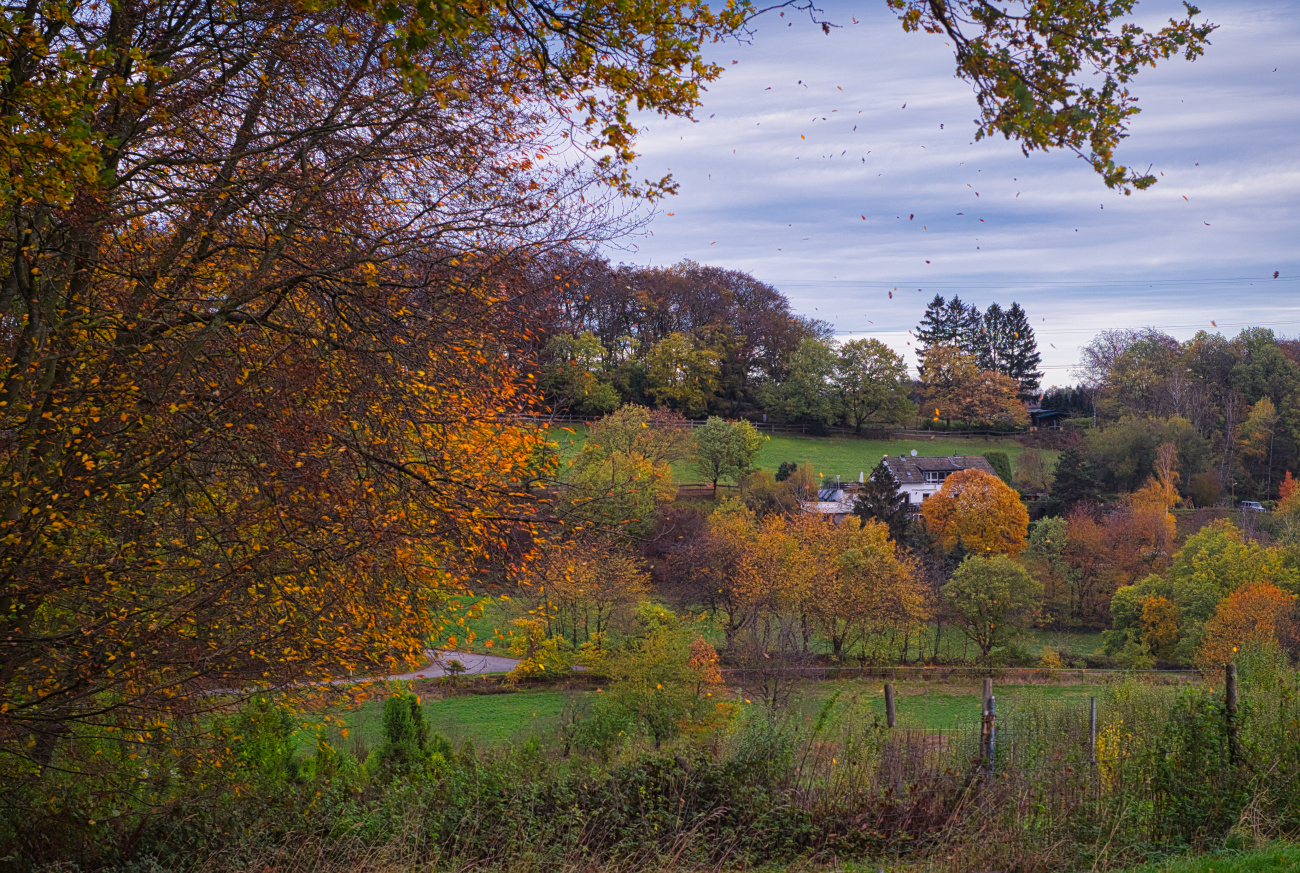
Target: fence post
<point x="890" y="716"/>
<point x="1092" y="732"/>
<point x="989" y="732"/>
<point x="1230" y="695"/>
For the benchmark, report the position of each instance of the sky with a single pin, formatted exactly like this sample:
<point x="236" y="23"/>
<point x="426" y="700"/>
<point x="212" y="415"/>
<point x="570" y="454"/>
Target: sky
<point x="840" y="168"/>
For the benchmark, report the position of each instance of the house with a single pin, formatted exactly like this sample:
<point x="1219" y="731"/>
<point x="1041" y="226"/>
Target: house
<point x="918" y="478"/>
<point x="832" y="504"/>
<point x="1040" y="418"/>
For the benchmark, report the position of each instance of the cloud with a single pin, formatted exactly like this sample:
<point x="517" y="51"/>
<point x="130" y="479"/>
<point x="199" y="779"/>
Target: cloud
<point x="781" y="180"/>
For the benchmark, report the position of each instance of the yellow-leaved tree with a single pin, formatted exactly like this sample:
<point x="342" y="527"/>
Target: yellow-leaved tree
<point x="979" y="512"/>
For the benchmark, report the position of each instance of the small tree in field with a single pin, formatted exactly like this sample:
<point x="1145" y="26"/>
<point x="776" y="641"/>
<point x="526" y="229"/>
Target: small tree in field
<point x="993" y="600"/>
<point x="726" y="449"/>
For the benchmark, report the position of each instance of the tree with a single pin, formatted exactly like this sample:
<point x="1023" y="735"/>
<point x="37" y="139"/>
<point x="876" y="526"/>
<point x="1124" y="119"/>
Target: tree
<point x="993" y="600"/>
<point x="1258" y="614"/>
<point x="1159" y="627"/>
<point x="949" y="323"/>
<point x="1073" y="481"/>
<point x="1001" y="464"/>
<point x="857" y="586"/>
<point x="624" y="470"/>
<point x="976" y="511"/>
<point x="873" y="384"/>
<point x="1019" y="357"/>
<point x="681" y="374"/>
<point x="808" y="392"/>
<point x="584" y="588"/>
<point x="1045" y="559"/>
<point x="725" y="449"/>
<point x="882" y="500"/>
<point x="571" y="378"/>
<point x="954" y="387"/>
<point x="1031" y="472"/>
<point x="258" y="378"/>
<point x="947" y="374"/>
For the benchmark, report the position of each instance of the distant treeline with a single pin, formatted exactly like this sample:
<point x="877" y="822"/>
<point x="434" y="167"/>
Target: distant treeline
<point x="702" y="340"/>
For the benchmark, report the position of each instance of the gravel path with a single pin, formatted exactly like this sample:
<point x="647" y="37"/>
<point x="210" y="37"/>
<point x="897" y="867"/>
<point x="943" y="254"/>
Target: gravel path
<point x="474" y="664"/>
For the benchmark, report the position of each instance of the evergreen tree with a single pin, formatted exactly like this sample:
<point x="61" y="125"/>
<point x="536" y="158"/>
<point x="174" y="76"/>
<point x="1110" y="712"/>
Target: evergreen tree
<point x="994" y="336"/>
<point x="881" y="500"/>
<point x="1001" y="464"/>
<point x="933" y="330"/>
<point x="1021" y="359"/>
<point x="950" y="322"/>
<point x="1074" y="481"/>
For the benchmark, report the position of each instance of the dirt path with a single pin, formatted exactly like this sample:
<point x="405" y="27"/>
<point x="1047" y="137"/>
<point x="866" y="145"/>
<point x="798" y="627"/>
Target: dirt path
<point x="474" y="664"/>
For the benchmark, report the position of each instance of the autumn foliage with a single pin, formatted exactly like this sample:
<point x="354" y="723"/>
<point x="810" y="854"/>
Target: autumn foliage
<point x="1259" y="613"/>
<point x="980" y="513"/>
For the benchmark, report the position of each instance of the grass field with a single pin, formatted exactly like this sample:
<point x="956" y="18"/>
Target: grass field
<point x="487" y="719"/>
<point x="946" y="706"/>
<point x="490" y="719"/>
<point x="844" y="456"/>
<point x="1275" y="859"/>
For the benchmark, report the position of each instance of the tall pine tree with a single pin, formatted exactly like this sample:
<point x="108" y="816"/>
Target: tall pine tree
<point x="1074" y="481"/>
<point x="1021" y="359"/>
<point x="949" y="322"/>
<point x="882" y="501"/>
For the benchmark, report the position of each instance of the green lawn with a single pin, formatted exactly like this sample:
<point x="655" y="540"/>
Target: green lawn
<point x="841" y="456"/>
<point x="1277" y="858"/>
<point x="846" y="457"/>
<point x="1074" y="642"/>
<point x="948" y="705"/>
<point x="486" y="719"/>
<point x="513" y="717"/>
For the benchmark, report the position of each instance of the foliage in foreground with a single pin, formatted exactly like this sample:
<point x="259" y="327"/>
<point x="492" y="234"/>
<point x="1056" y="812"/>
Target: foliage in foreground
<point x="769" y="788"/>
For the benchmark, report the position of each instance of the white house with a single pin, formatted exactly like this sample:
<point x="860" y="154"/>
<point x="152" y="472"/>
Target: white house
<point x="918" y="478"/>
<point x="832" y="504"/>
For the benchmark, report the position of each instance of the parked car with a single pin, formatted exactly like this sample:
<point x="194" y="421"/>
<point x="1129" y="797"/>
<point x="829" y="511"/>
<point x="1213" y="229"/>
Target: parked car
<point x="1251" y="506"/>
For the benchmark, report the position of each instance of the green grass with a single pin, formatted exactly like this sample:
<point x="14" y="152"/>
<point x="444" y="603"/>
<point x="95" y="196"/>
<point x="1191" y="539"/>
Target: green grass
<point x="846" y="457"/>
<point x="1074" y="642"/>
<point x="490" y="719"/>
<point x="929" y="705"/>
<point x="487" y="719"/>
<point x="841" y="456"/>
<point x="1282" y="856"/>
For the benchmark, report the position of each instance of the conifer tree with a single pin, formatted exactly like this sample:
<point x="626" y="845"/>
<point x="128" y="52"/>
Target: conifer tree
<point x="881" y="500"/>
<point x="950" y="322"/>
<point x="1074" y="480"/>
<point x="1021" y="359"/>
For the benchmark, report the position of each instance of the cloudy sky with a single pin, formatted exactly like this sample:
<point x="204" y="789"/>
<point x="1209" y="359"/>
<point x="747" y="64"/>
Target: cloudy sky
<point x="840" y="168"/>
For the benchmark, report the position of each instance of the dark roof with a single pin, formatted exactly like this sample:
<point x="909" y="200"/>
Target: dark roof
<point x="911" y="471"/>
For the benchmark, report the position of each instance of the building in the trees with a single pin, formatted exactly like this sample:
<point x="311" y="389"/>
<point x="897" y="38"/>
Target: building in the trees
<point x="832" y="504"/>
<point x="919" y="477"/>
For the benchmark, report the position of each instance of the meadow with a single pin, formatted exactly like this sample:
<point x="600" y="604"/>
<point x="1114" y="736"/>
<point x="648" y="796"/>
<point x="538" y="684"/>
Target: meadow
<point x="842" y="456"/>
<point x="529" y="714"/>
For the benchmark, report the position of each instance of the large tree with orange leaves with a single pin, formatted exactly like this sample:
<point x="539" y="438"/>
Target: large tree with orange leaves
<point x="1259" y="613"/>
<point x="258" y="384"/>
<point x="977" y="511"/>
